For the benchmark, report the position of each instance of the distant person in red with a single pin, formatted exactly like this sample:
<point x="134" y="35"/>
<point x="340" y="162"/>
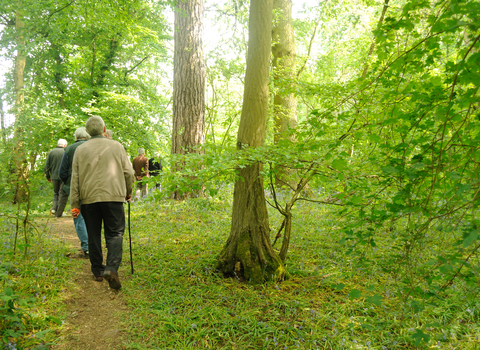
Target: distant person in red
<point x="102" y="180"/>
<point x="54" y="159"/>
<point x="140" y="165"/>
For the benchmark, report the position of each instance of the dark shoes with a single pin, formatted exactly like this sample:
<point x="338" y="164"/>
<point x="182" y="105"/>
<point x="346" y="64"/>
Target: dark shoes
<point x="98" y="278"/>
<point x="112" y="279"/>
<point x="84" y="254"/>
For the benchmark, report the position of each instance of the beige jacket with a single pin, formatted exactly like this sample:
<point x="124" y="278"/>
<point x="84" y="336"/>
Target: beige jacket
<point x="101" y="172"/>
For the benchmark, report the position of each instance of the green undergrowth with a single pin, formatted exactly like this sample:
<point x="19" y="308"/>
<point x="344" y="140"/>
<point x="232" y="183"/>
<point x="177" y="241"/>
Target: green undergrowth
<point x="33" y="281"/>
<point x="335" y="298"/>
<point x="331" y="301"/>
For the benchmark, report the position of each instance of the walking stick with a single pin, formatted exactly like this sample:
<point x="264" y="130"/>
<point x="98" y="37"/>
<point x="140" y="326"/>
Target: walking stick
<point x="130" y="236"/>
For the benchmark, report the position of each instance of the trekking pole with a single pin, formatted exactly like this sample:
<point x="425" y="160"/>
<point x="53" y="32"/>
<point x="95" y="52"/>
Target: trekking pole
<point x="130" y="236"/>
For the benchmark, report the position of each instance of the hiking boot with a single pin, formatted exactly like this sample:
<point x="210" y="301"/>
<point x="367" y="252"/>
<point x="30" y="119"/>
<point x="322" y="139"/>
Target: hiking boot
<point x="84" y="254"/>
<point x="112" y="279"/>
<point x="98" y="278"/>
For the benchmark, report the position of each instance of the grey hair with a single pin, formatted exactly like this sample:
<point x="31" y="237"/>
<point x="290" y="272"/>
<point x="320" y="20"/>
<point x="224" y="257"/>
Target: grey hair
<point x="141" y="151"/>
<point x="81" y="133"/>
<point x="95" y="126"/>
<point x="61" y="142"/>
<point x="109" y="133"/>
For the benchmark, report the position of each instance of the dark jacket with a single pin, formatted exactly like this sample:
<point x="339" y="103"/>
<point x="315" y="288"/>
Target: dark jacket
<point x="65" y="170"/>
<point x="54" y="159"/>
<point x="154" y="167"/>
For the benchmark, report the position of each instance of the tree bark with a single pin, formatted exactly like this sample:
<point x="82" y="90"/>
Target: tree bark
<point x="2" y="122"/>
<point x="248" y="251"/>
<point x="20" y="159"/>
<point x="58" y="75"/>
<point x="188" y="134"/>
<point x="285" y="101"/>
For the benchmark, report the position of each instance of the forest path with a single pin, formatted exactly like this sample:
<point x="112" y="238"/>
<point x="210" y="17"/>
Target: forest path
<point x="93" y="310"/>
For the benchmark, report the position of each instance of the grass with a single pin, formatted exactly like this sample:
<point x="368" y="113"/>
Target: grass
<point x="34" y="283"/>
<point x="333" y="300"/>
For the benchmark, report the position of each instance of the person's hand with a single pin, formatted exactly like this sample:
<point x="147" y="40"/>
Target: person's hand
<point x="75" y="213"/>
<point x="49" y="180"/>
<point x="128" y="198"/>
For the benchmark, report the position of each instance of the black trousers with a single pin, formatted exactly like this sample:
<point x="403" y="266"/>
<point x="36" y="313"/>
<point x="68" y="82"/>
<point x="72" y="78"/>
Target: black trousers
<point x="112" y="215"/>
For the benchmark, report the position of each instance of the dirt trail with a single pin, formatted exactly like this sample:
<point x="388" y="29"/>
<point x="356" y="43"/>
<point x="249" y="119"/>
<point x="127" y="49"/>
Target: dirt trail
<point x="93" y="309"/>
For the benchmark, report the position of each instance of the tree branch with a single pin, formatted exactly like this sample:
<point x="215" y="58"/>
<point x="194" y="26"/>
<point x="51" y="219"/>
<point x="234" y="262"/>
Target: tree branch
<point x="135" y="66"/>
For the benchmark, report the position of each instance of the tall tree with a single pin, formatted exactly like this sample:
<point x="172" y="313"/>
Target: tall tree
<point x="284" y="65"/>
<point x="248" y="250"/>
<point x="21" y="169"/>
<point x="188" y="80"/>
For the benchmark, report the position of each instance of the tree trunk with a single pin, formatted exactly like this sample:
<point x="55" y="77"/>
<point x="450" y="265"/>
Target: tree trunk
<point x="20" y="159"/>
<point x="285" y="101"/>
<point x="188" y="134"/>
<point x="248" y="251"/>
<point x="2" y="122"/>
<point x="58" y="75"/>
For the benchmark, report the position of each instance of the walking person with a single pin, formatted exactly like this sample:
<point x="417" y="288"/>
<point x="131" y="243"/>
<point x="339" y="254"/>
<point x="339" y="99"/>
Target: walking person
<point x="65" y="173"/>
<point x="154" y="168"/>
<point x="140" y="165"/>
<point x="50" y="169"/>
<point x="102" y="179"/>
<point x="108" y="134"/>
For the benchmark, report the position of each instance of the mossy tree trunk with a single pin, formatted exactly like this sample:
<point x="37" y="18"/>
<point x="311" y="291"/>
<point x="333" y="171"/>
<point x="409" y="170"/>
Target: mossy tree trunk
<point x="248" y="251"/>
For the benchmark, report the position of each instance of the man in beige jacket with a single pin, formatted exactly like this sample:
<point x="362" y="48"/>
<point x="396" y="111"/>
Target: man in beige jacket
<point x="102" y="179"/>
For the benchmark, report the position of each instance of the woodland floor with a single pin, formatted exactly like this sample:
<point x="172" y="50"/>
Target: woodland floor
<point x="93" y="310"/>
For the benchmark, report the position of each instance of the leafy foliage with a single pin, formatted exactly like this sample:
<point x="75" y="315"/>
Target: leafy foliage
<point x="385" y="242"/>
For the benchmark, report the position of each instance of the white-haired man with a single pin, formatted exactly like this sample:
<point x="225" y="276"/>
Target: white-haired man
<point x="52" y="165"/>
<point x="65" y="172"/>
<point x="102" y="179"/>
<point x="108" y="134"/>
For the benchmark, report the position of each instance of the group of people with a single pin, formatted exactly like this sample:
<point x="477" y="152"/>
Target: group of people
<point x="145" y="167"/>
<point x="97" y="174"/>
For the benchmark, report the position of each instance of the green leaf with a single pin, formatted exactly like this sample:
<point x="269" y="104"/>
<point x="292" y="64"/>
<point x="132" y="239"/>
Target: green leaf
<point x="419" y="336"/>
<point x="470" y="239"/>
<point x="8" y="291"/>
<point x="339" y="164"/>
<point x="355" y="294"/>
<point x="463" y="188"/>
<point x="356" y="200"/>
<point x="390" y="170"/>
<point x="445" y="268"/>
<point x="375" y="299"/>
<point x="339" y="286"/>
<point x="418" y="166"/>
